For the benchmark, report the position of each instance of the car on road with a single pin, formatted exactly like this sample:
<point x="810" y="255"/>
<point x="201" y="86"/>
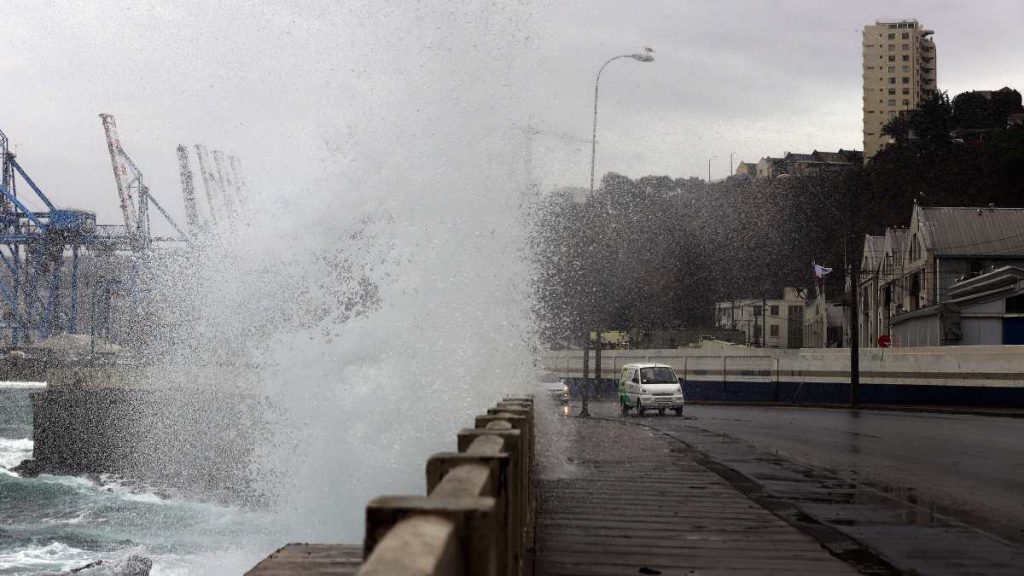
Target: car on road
<point x="554" y="387"/>
<point x="650" y="386"/>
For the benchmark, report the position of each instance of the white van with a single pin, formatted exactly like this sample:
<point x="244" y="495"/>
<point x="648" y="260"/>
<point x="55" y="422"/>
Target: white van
<point x="650" y="387"/>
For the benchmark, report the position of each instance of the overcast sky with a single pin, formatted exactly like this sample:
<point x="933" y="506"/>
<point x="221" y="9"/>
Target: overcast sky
<point x="270" y="81"/>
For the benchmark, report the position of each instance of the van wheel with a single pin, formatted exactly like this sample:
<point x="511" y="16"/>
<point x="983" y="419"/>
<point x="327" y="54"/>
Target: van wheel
<point x="661" y="411"/>
<point x="640" y="410"/>
<point x="679" y="411"/>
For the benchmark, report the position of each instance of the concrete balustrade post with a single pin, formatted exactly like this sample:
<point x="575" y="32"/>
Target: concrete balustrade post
<point x="524" y="408"/>
<point x="520" y="419"/>
<point x="477" y="520"/>
<point x="499" y="465"/>
<point x="424" y="544"/>
<point x="472" y="517"/>
<point x="516" y="510"/>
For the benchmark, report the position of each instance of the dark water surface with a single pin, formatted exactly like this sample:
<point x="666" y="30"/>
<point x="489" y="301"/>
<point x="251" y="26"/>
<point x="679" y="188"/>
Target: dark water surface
<point x="55" y="523"/>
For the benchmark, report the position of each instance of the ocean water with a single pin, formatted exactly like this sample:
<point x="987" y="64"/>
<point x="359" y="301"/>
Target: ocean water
<point x="58" y="523"/>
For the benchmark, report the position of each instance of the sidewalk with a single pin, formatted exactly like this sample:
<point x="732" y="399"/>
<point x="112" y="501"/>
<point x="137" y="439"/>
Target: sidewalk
<point x="617" y="499"/>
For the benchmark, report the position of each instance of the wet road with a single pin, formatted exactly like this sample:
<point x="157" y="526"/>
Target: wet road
<point x="965" y="466"/>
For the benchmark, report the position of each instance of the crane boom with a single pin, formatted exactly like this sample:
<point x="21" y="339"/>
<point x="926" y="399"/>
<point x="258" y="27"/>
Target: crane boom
<point x="208" y="181"/>
<point x="125" y="183"/>
<point x="227" y="188"/>
<point x="241" y="189"/>
<point x="188" y="191"/>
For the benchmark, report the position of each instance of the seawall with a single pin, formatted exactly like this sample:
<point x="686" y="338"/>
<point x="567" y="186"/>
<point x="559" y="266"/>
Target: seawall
<point x="200" y="442"/>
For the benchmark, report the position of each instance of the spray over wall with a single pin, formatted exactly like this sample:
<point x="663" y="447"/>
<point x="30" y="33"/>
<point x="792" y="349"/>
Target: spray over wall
<point x="365" y="313"/>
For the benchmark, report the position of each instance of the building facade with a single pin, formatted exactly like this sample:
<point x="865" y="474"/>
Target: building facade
<point x="746" y="170"/>
<point x="824" y="324"/>
<point x="796" y="164"/>
<point x="766" y="322"/>
<point x="914" y="287"/>
<point x="881" y="292"/>
<point x="899" y="71"/>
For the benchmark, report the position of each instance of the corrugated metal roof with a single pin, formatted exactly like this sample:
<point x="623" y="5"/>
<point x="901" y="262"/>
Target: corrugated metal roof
<point x="897" y="239"/>
<point x="797" y="157"/>
<point x="975" y="231"/>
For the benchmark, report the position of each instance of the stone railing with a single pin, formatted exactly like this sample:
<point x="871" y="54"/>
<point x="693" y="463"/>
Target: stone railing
<point x="477" y="519"/>
<point x="478" y="516"/>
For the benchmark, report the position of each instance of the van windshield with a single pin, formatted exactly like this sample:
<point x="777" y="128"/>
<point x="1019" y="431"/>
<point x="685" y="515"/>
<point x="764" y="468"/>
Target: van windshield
<point x="657" y="375"/>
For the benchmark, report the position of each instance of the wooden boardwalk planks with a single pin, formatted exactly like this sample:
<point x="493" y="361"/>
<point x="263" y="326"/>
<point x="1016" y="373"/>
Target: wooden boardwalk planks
<point x="633" y="501"/>
<point x="311" y="560"/>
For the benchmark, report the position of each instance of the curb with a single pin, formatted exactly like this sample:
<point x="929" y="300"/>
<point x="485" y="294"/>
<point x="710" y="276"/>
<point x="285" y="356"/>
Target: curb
<point x="966" y="411"/>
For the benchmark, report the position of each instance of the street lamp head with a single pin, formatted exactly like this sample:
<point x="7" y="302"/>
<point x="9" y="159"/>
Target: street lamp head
<point x="645" y="56"/>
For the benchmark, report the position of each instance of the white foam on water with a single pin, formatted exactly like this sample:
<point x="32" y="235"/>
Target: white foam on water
<point x="13" y="452"/>
<point x="57" y="557"/>
<point x="179" y="536"/>
<point x="52" y="557"/>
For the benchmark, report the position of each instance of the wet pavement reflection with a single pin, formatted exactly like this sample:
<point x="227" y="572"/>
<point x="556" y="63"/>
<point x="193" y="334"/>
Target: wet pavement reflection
<point x="932" y="493"/>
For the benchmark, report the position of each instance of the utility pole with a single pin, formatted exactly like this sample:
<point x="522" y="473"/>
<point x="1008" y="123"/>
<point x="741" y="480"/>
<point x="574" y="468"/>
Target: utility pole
<point x="585" y="412"/>
<point x="854" y="324"/>
<point x="597" y="365"/>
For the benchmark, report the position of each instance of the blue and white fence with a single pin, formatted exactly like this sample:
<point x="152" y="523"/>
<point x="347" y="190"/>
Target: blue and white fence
<point x="949" y="375"/>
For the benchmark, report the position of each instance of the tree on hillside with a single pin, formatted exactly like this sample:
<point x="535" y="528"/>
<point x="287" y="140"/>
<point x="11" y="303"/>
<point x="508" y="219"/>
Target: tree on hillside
<point x="973" y="110"/>
<point x="658" y="252"/>
<point x="926" y="128"/>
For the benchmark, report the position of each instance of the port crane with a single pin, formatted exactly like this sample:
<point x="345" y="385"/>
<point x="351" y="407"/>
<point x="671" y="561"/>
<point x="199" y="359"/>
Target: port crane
<point x="188" y="192"/>
<point x="225" y="189"/>
<point x="133" y="192"/>
<point x="34" y="245"/>
<point x="43" y="246"/>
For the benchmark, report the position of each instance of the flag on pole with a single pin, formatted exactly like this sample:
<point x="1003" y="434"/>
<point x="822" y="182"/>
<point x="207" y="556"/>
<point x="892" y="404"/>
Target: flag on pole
<point x="820" y="271"/>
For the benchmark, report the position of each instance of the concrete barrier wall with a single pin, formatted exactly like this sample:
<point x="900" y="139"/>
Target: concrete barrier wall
<point x="106" y="373"/>
<point x="960" y="375"/>
<point x="202" y="442"/>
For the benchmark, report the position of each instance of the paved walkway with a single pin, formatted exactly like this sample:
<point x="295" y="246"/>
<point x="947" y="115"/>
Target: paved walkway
<point x="618" y="499"/>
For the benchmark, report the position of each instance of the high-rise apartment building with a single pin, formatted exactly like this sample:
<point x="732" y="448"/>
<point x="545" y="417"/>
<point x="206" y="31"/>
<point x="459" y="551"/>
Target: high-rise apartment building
<point x="899" y="71"/>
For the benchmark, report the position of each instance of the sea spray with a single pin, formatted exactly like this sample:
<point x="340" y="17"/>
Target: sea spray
<point x="346" y="327"/>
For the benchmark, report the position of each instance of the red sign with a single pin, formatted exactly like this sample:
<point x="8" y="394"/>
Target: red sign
<point x="884" y="341"/>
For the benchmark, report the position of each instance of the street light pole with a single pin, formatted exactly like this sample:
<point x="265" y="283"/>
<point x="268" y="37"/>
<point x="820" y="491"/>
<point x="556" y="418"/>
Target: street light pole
<point x="645" y="56"/>
<point x="709" y="167"/>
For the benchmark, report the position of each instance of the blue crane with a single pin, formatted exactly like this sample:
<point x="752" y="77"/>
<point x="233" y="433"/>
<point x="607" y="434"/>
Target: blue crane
<point x="40" y="249"/>
<point x="34" y="245"/>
